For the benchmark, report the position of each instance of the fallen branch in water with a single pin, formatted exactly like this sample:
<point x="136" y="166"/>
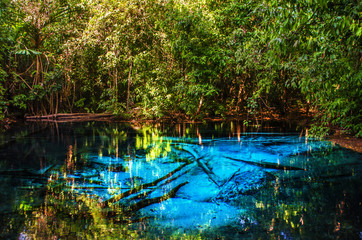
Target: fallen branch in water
<point x="187" y="149"/>
<point x="202" y="165"/>
<point x="27" y="172"/>
<point x="269" y="165"/>
<point x="146" y="202"/>
<point x="128" y="214"/>
<point x="88" y="187"/>
<point x="143" y="186"/>
<point x="149" y="191"/>
<point x="209" y="173"/>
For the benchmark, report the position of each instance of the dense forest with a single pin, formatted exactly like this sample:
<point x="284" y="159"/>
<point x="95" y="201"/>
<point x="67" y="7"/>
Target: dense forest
<point x="196" y="59"/>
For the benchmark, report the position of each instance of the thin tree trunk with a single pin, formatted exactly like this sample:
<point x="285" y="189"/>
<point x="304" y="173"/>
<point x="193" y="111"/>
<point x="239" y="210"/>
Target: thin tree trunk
<point x="51" y="103"/>
<point x="240" y="93"/>
<point x="200" y="105"/>
<point x="129" y="84"/>
<point x="116" y="84"/>
<point x="56" y="103"/>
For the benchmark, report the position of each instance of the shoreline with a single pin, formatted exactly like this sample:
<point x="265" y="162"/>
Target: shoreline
<point x="347" y="141"/>
<point x="344" y="140"/>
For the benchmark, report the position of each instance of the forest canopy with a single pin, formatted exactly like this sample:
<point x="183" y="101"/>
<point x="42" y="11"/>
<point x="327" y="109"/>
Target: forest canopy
<point x="200" y="58"/>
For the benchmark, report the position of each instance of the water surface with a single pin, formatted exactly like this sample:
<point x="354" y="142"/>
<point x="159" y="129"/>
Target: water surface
<point x="176" y="181"/>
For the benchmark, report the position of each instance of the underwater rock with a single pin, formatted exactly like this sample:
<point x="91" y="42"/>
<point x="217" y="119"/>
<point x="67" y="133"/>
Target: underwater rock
<point x="200" y="187"/>
<point x="188" y="214"/>
<point x="243" y="183"/>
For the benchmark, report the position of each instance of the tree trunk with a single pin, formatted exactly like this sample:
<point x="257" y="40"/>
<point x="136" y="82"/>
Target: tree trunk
<point x="200" y="105"/>
<point x="129" y="84"/>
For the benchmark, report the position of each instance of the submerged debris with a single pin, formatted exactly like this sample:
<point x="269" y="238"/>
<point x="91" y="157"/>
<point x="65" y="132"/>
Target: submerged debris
<point x="269" y="165"/>
<point x="243" y="183"/>
<point x="143" y="186"/>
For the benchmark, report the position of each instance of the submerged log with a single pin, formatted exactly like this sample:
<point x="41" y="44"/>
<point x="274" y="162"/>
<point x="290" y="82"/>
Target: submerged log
<point x="86" y="187"/>
<point x="143" y="186"/>
<point x="187" y="149"/>
<point x="27" y="172"/>
<point x="215" y="179"/>
<point x="149" y="191"/>
<point x="147" y="202"/>
<point x="269" y="165"/>
<point x="129" y="215"/>
<point x="209" y="173"/>
<point x="46" y="169"/>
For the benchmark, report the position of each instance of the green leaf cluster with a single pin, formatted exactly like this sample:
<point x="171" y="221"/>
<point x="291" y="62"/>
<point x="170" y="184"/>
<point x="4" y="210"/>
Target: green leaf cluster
<point x="157" y="58"/>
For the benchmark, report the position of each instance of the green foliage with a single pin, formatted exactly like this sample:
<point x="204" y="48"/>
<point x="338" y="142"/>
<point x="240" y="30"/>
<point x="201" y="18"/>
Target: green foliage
<point x="3" y="102"/>
<point x="158" y="58"/>
<point x="4" y="49"/>
<point x="314" y="48"/>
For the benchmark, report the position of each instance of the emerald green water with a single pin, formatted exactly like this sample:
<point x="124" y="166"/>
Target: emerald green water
<point x="176" y="181"/>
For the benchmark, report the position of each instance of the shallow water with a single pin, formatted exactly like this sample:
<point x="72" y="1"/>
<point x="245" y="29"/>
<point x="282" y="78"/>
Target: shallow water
<point x="180" y="181"/>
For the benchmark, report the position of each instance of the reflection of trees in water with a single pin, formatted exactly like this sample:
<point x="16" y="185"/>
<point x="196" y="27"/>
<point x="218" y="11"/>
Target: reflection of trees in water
<point x="64" y="214"/>
<point x="67" y="216"/>
<point x="294" y="203"/>
<point x="323" y="207"/>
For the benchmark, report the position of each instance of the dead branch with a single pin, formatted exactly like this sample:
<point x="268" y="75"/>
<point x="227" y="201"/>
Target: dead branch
<point x="143" y="186"/>
<point x="269" y="165"/>
<point x="144" y="203"/>
<point x="201" y="164"/>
